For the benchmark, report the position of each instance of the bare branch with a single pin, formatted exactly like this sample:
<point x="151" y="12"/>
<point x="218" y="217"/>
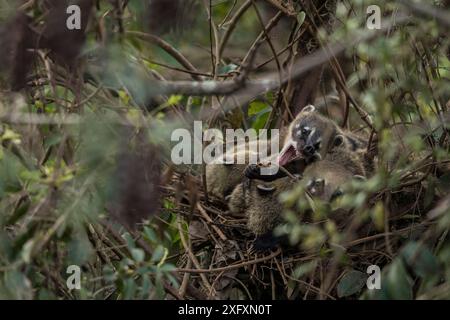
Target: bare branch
<point x="249" y="89"/>
<point x="428" y="11"/>
<point x="168" y="48"/>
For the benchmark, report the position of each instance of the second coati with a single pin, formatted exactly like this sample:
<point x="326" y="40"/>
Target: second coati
<point x="222" y="177"/>
<point x="224" y="174"/>
<point x="322" y="180"/>
<point x="259" y="202"/>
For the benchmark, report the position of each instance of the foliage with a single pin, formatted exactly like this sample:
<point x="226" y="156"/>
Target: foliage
<point x="85" y="173"/>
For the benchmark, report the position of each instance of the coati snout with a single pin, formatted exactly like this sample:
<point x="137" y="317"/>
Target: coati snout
<point x="327" y="186"/>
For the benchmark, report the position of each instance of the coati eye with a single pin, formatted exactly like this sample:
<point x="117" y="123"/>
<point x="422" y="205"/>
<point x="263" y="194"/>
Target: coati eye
<point x="336" y="194"/>
<point x="317" y="145"/>
<point x="305" y="131"/>
<point x="338" y="140"/>
<point x="319" y="182"/>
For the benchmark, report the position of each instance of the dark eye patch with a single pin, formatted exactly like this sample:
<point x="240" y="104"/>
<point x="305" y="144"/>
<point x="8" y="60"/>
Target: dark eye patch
<point x="306" y="131"/>
<point x="336" y="194"/>
<point x="319" y="182"/>
<point x="353" y="144"/>
<point x="318" y="144"/>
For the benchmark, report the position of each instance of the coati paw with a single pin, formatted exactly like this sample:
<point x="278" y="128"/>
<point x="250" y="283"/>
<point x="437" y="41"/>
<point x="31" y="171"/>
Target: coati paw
<point x="253" y="171"/>
<point x="265" y="242"/>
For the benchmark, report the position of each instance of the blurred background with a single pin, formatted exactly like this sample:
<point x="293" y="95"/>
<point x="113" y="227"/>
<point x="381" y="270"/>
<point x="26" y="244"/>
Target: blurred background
<point x="85" y="138"/>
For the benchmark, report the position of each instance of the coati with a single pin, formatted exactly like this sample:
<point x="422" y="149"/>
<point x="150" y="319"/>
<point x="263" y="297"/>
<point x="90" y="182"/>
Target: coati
<point x="322" y="180"/>
<point x="309" y="138"/>
<point x="260" y="203"/>
<point x="223" y="175"/>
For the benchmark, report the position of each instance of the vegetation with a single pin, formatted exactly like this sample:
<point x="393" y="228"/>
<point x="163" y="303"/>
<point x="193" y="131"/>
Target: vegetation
<point x="86" y="120"/>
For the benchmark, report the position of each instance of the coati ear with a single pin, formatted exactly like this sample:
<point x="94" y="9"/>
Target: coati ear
<point x="308" y="108"/>
<point x="265" y="190"/>
<point x="338" y="140"/>
<point x="359" y="177"/>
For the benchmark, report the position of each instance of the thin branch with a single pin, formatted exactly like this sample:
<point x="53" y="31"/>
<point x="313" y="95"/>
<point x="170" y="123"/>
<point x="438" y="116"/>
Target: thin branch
<point x="250" y="89"/>
<point x="428" y="11"/>
<point x="234" y="266"/>
<point x="286" y="9"/>
<point x="177" y="55"/>
<point x="233" y="24"/>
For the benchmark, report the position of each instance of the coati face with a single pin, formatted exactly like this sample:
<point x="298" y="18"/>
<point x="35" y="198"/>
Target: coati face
<point x="323" y="190"/>
<point x="259" y="202"/>
<point x="324" y="179"/>
<point x="309" y="137"/>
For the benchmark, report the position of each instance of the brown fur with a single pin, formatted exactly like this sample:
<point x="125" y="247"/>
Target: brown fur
<point x="260" y="203"/>
<point x="323" y="180"/>
<point x="312" y="128"/>
<point x="222" y="178"/>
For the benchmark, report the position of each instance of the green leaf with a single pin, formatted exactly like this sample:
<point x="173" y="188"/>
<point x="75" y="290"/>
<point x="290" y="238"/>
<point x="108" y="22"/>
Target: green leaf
<point x="80" y="249"/>
<point x="174" y="99"/>
<point x="129" y="289"/>
<point x="398" y="283"/>
<point x="27" y="250"/>
<point x="304" y="269"/>
<point x="444" y="183"/>
<point x="145" y="287"/>
<point x="138" y="254"/>
<point x="158" y="254"/>
<point x="301" y="18"/>
<point x="16" y="286"/>
<point x="352" y="282"/>
<point x="167" y="268"/>
<point x="420" y="259"/>
<point x="228" y="68"/>
<point x="150" y="235"/>
<point x="259" y="112"/>
<point x="257" y="107"/>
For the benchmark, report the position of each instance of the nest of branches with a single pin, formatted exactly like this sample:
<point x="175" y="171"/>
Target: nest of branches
<point x="220" y="260"/>
<point x="85" y="116"/>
